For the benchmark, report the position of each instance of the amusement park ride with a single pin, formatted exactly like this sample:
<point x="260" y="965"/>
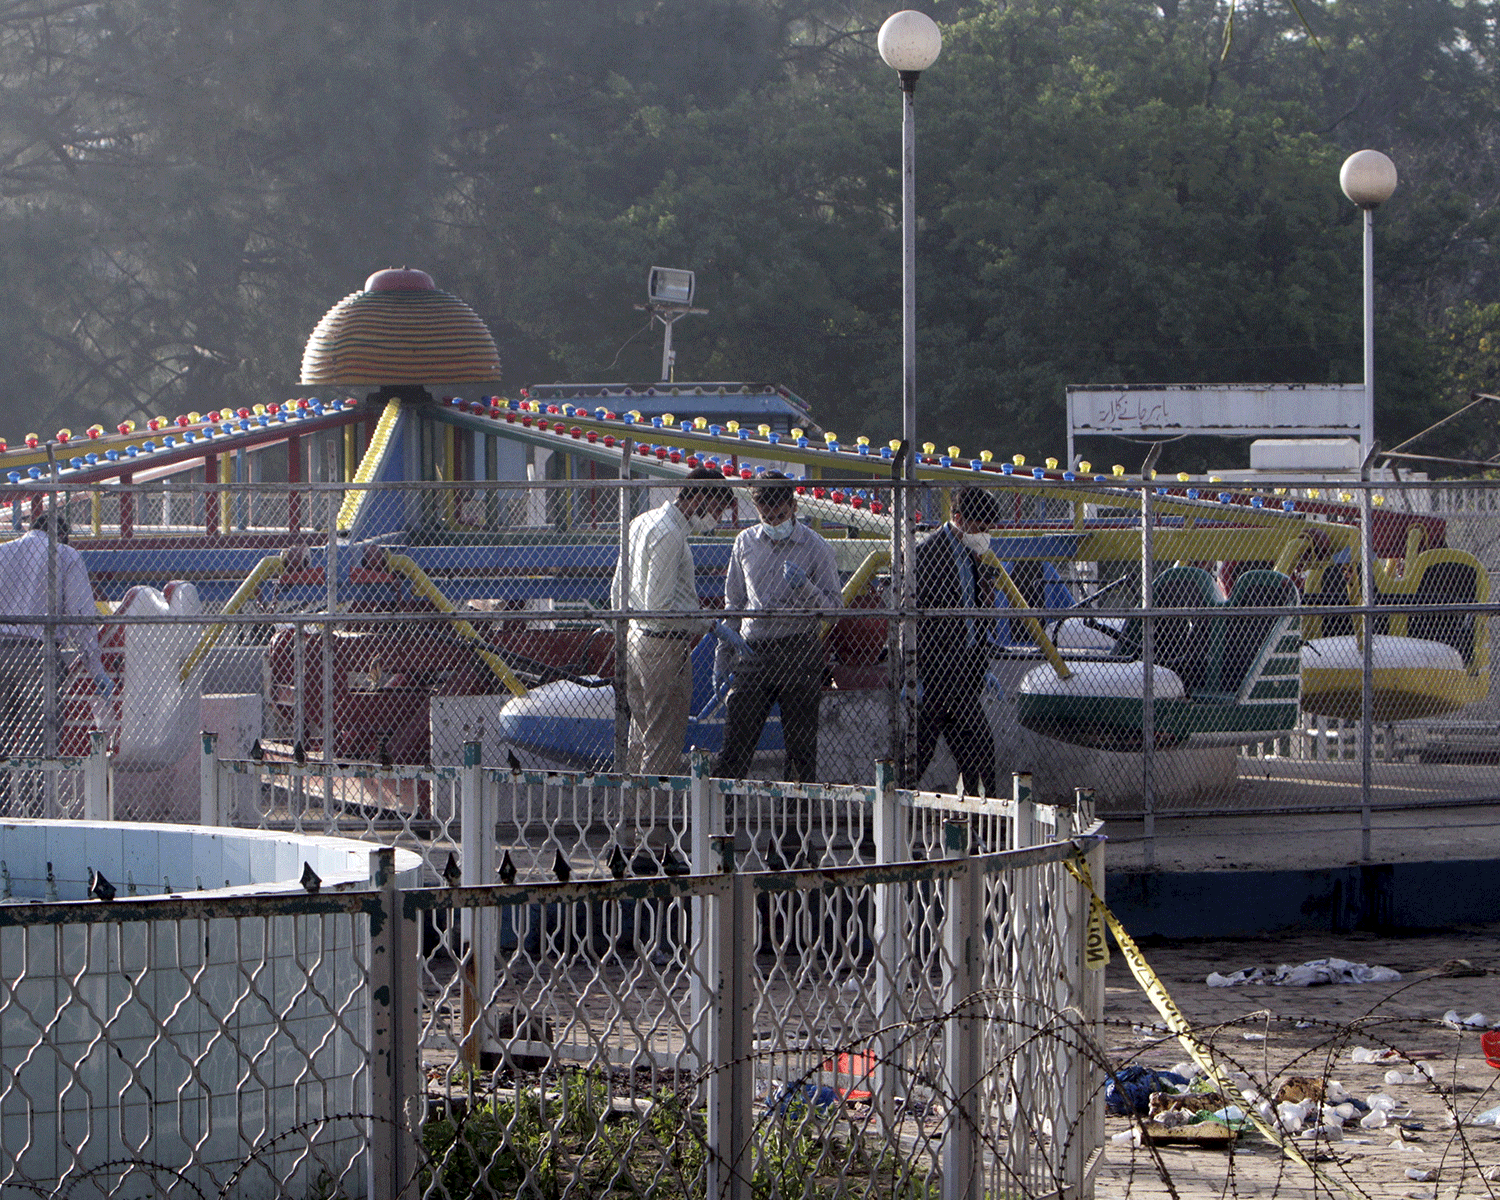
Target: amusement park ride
<point x="1218" y="680"/>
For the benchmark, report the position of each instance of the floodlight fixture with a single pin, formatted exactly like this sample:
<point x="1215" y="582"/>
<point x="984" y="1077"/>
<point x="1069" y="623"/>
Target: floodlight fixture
<point x="670" y="285"/>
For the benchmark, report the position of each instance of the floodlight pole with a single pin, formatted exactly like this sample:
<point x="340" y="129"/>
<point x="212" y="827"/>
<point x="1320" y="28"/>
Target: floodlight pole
<point x="669" y="315"/>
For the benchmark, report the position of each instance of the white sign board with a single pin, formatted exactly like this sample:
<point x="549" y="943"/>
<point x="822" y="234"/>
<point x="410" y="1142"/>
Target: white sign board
<point x="1155" y="412"/>
<point x="1222" y="409"/>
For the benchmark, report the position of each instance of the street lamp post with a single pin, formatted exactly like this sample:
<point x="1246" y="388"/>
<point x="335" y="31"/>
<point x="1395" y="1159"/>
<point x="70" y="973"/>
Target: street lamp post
<point x="909" y="42"/>
<point x="1368" y="178"/>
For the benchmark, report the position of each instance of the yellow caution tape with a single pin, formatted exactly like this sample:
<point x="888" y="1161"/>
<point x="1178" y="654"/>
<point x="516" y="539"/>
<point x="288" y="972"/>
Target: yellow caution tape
<point x="1157" y="992"/>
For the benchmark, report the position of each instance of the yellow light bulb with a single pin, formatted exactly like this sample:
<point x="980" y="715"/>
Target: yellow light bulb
<point x="635" y="414"/>
<point x="1183" y="477"/>
<point x="259" y="410"/>
<point x="1313" y="493"/>
<point x="763" y="430"/>
<point x="733" y="426"/>
<point x="1085" y="466"/>
<point x="895" y="444"/>
<point x="1118" y="470"/>
<point x="1018" y="459"/>
<point x="952" y="451"/>
<point x="667" y="418"/>
<point x="1052" y="464"/>
<point x="986" y="455"/>
<point x="1346" y="496"/>
<point x="928" y="447"/>
<point x="796" y="433"/>
<point x="830" y="437"/>
<point x="1278" y="491"/>
<point x="1214" y="479"/>
<point x="195" y="417"/>
<point x="861" y="440"/>
<point x="700" y="422"/>
<point x="1377" y="500"/>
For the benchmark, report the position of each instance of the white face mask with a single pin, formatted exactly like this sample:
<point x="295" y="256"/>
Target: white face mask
<point x="977" y="542"/>
<point x="778" y="533"/>
<point x="702" y="522"/>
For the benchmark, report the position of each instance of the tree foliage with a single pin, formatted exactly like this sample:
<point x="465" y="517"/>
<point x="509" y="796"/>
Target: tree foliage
<point x="1109" y="190"/>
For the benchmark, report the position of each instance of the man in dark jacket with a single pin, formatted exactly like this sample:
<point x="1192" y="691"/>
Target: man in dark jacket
<point x="951" y="655"/>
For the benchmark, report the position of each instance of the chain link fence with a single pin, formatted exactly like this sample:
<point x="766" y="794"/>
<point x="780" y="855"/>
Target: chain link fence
<point x="1178" y="651"/>
<point x="866" y="1021"/>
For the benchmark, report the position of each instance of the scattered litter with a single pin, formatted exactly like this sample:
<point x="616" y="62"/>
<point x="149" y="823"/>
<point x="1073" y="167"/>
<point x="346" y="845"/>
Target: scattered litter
<point x="1309" y="974"/>
<point x="1253" y="1037"/>
<point x="1421" y="1073"/>
<point x="1472" y="1021"/>
<point x="1127" y="1092"/>
<point x="1293" y="1115"/>
<point x="1300" y="1087"/>
<point x="1361" y="1054"/>
<point x="1130" y="1137"/>
<point x="1374" y="1119"/>
<point x="1458" y="968"/>
<point x="794" y="1094"/>
<point x="1381" y="1101"/>
<point x="1493" y="1174"/>
<point x="1422" y="1174"/>
<point x="1490" y="1116"/>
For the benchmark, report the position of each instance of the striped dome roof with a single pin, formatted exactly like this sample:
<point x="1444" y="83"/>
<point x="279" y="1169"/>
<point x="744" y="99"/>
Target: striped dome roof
<point x="400" y="330"/>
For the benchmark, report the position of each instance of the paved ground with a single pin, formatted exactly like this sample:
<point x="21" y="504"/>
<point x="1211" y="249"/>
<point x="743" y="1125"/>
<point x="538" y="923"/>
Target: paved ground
<point x="1273" y="1033"/>
<point x="1251" y="834"/>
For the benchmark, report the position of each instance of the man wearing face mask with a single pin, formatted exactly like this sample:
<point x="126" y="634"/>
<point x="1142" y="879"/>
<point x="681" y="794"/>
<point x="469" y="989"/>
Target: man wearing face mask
<point x="777" y="567"/>
<point x="658" y="668"/>
<point x="951" y="657"/>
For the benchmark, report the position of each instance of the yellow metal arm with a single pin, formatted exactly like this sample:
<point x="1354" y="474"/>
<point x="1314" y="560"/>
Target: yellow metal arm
<point x="268" y="568"/>
<point x="402" y="565"/>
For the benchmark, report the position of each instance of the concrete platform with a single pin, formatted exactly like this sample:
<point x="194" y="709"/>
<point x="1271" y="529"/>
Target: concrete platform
<point x="1288" y="853"/>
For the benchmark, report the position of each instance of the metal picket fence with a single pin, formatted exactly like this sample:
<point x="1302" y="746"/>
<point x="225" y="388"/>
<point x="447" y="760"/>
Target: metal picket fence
<point x="1180" y="650"/>
<point x="917" y="1027"/>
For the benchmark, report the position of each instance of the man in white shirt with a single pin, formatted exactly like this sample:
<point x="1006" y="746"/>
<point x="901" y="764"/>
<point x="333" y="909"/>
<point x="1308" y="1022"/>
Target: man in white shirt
<point x="779" y="569"/>
<point x="24" y="587"/>
<point x="659" y="669"/>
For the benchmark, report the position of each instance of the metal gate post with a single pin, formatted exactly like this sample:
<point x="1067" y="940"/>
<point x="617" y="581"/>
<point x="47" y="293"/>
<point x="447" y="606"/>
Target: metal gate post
<point x="886" y="1079"/>
<point x="480" y="926"/>
<point x="731" y="1075"/>
<point x="704" y="824"/>
<point x="396" y="1097"/>
<point x="963" y="931"/>
<point x="210" y="809"/>
<point x="96" y="790"/>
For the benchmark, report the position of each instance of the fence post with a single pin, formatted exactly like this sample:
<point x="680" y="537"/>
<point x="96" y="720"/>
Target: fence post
<point x="480" y="926"/>
<point x="622" y="624"/>
<point x="96" y="790"/>
<point x="704" y="823"/>
<point x="1089" y="1102"/>
<point x="1020" y="791"/>
<point x="963" y="931"/>
<point x="886" y="1079"/>
<point x="396" y="1097"/>
<point x="731" y="1076"/>
<point x="210" y="810"/>
<point x="1148" y="671"/>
